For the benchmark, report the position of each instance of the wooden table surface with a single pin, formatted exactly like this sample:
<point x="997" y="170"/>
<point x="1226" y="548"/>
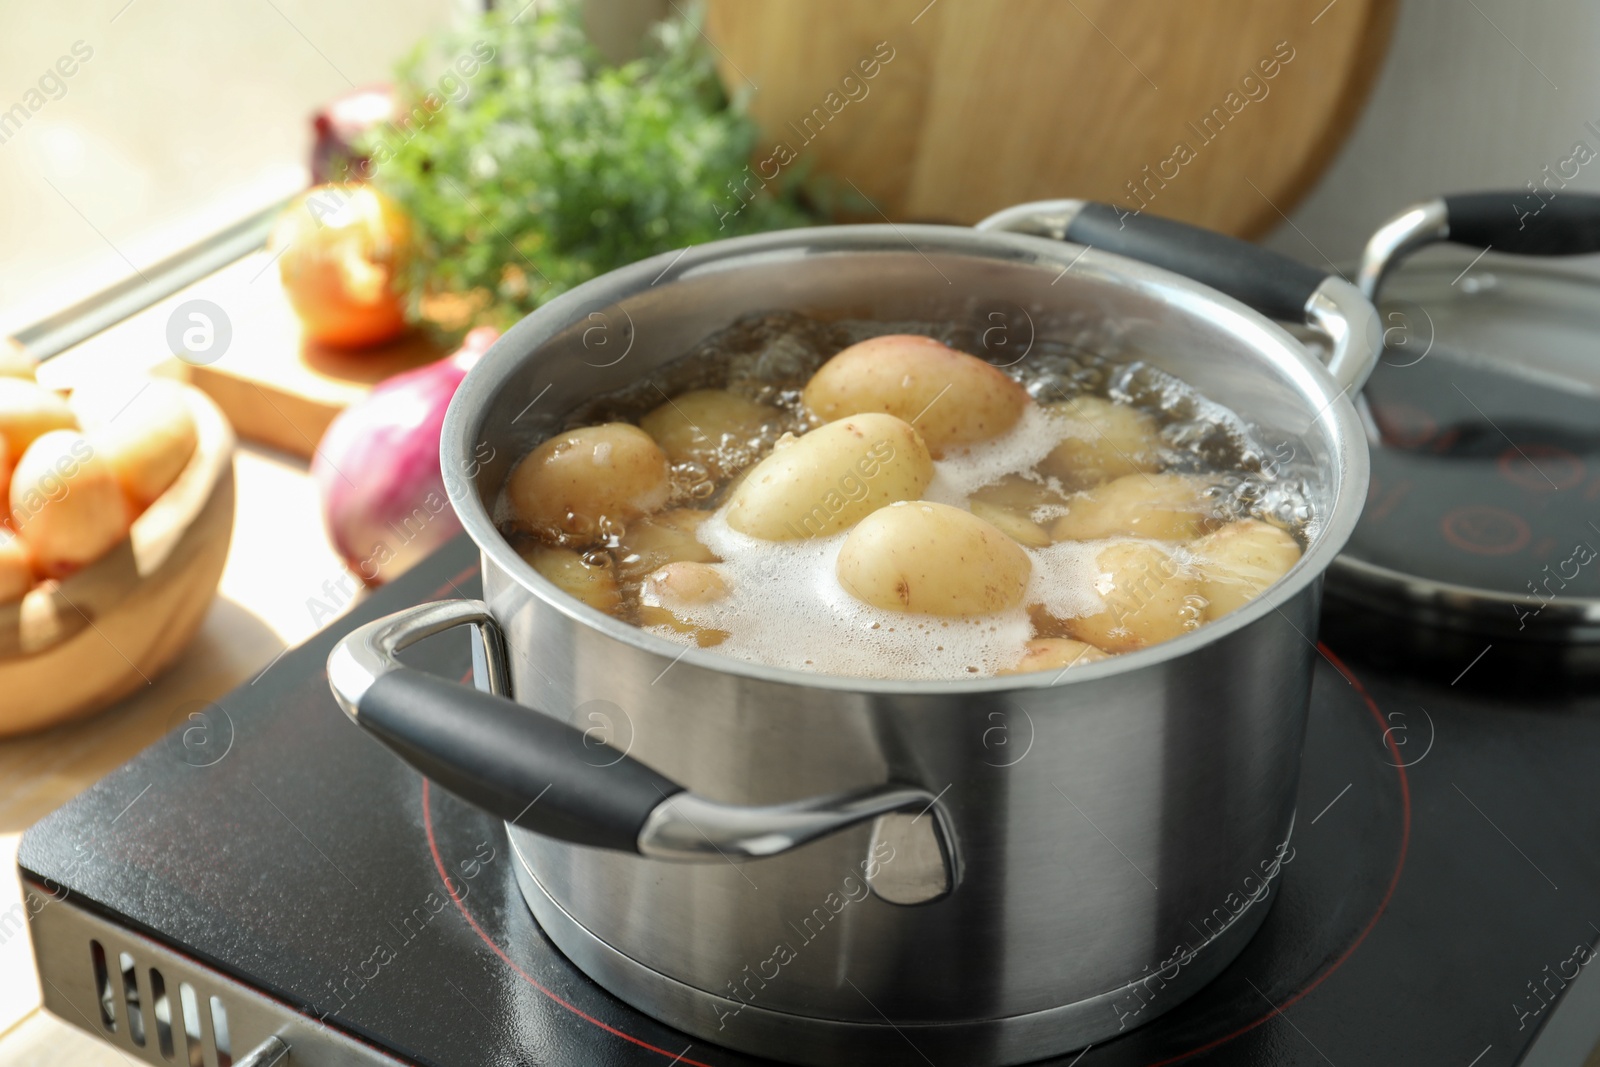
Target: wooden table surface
<point x="279" y="558"/>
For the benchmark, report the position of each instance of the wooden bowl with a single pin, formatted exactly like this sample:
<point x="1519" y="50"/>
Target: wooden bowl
<point x="72" y="647"/>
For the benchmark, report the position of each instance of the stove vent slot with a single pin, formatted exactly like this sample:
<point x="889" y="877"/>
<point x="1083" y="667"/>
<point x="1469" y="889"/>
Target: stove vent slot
<point x="130" y="997"/>
<point x="102" y="985"/>
<point x="219" y="1030"/>
<point x="161" y="1006"/>
<point x="191" y="1024"/>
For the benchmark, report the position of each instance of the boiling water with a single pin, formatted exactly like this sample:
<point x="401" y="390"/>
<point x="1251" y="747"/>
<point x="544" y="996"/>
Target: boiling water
<point x="786" y="607"/>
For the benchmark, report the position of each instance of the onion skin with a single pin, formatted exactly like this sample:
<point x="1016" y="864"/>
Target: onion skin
<point x="377" y="468"/>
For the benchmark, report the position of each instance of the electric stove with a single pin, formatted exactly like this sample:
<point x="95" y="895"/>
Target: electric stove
<point x="267" y="885"/>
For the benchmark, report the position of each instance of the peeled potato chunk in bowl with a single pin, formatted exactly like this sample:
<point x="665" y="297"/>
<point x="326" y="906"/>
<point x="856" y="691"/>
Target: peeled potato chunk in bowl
<point x="953" y="399"/>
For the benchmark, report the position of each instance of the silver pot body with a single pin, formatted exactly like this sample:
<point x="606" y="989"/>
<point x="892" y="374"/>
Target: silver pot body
<point x="1104" y="842"/>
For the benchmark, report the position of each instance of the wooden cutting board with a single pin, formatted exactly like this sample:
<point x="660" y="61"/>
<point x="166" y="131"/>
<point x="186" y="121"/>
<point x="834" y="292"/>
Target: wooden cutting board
<point x="974" y="105"/>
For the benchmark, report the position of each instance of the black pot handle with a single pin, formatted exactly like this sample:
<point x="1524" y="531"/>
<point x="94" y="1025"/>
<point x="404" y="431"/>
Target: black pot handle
<point x="544" y="775"/>
<point x="1273" y="284"/>
<point x="1522" y="222"/>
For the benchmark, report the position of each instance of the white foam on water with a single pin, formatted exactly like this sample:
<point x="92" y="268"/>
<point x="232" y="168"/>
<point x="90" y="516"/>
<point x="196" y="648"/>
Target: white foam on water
<point x="963" y="471"/>
<point x="786" y="607"/>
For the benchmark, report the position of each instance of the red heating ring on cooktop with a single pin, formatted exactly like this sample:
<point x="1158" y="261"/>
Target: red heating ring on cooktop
<point x="679" y="1057"/>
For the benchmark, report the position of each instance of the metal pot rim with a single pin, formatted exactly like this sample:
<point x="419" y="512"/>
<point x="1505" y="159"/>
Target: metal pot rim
<point x="523" y="340"/>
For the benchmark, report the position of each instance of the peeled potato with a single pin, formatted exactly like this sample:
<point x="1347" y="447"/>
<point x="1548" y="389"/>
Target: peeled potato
<point x="144" y="429"/>
<point x="1109" y="441"/>
<point x="952" y="398"/>
<point x="830" y="479"/>
<point x="673" y="591"/>
<point x="28" y="410"/>
<point x="15" y="362"/>
<point x="572" y="481"/>
<point x="16" y="567"/>
<point x="66" y="503"/>
<point x="1240" y="560"/>
<point x="1162" y="507"/>
<point x="932" y="559"/>
<point x="662" y="539"/>
<point x="1054" y="654"/>
<point x="595" y="585"/>
<point x="709" y="426"/>
<point x="1147" y="598"/>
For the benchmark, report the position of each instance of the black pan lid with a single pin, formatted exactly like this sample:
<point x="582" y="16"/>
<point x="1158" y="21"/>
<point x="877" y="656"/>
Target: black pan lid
<point x="1484" y="418"/>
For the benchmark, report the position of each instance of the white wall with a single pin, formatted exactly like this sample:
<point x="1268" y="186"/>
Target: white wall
<point x="1458" y="108"/>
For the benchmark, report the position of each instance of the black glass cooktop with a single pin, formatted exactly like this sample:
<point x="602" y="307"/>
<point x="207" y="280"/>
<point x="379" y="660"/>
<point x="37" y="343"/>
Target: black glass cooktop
<point x="1443" y="886"/>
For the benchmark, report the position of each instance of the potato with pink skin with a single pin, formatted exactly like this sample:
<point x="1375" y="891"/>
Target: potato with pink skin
<point x="66" y="503"/>
<point x="932" y="559"/>
<point x="573" y="480"/>
<point x="953" y="399"/>
<point x="1055" y="654"/>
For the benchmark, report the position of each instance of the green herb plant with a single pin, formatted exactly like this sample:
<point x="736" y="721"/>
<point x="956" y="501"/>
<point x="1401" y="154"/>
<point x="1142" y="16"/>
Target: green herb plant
<point x="555" y="166"/>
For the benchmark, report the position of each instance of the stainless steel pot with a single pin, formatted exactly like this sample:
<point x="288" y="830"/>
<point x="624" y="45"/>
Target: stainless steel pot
<point x="997" y="869"/>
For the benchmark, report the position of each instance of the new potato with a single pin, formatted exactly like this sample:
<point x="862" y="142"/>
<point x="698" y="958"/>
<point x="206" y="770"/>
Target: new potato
<point x="709" y="426"/>
<point x="143" y="428"/>
<point x="1239" y="560"/>
<point x="1109" y="441"/>
<point x="28" y="410"/>
<point x="1011" y="504"/>
<point x="831" y="478"/>
<point x="1162" y="507"/>
<point x="1054" y="654"/>
<point x="670" y="594"/>
<point x="594" y="585"/>
<point x="66" y="503"/>
<point x="661" y="539"/>
<point x="573" y="480"/>
<point x="1147" y="598"/>
<point x="952" y="398"/>
<point x="932" y="559"/>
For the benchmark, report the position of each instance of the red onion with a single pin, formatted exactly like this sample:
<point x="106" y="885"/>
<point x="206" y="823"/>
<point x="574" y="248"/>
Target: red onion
<point x="383" y="496"/>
